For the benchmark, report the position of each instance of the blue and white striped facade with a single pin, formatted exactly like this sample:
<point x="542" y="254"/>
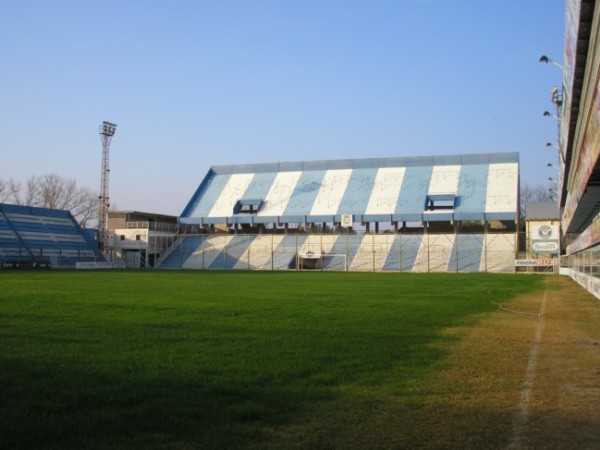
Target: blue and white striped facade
<point x="471" y="187"/>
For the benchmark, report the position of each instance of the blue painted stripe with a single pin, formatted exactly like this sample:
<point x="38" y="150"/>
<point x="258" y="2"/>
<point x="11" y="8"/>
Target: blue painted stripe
<point x="284" y="255"/>
<point x="409" y="249"/>
<point x="357" y="194"/>
<point x="204" y="200"/>
<point x="305" y="193"/>
<point x="353" y="243"/>
<point x="472" y="191"/>
<point x="231" y="254"/>
<point x="392" y="261"/>
<point x="470" y="250"/>
<point x="413" y="193"/>
<point x="182" y="252"/>
<point x="320" y="219"/>
<point x="260" y="185"/>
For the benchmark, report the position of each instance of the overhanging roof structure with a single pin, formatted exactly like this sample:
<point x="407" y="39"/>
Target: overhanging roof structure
<point x="408" y="189"/>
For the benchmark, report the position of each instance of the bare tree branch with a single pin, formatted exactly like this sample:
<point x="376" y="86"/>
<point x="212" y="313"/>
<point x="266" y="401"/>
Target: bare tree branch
<point x="52" y="191"/>
<point x="4" y="192"/>
<point x="531" y="194"/>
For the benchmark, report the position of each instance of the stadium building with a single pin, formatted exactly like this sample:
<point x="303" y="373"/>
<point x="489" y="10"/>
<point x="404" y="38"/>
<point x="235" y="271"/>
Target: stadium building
<point x="440" y="213"/>
<point x="578" y="110"/>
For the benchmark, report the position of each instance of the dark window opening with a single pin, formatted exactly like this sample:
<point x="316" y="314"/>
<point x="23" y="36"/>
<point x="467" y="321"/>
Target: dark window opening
<point x="441" y="202"/>
<point x="249" y="209"/>
<point x="247" y="206"/>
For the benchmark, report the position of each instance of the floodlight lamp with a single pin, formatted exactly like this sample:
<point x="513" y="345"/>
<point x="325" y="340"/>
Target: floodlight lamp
<point x="108" y="128"/>
<point x="549" y="114"/>
<point x="546" y="60"/>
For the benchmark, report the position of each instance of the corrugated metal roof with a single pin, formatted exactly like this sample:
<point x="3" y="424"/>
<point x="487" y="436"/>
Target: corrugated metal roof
<point x="542" y="211"/>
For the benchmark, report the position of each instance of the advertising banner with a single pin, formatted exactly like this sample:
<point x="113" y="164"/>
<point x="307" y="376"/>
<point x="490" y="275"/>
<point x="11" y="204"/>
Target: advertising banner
<point x="544" y="237"/>
<point x="588" y="153"/>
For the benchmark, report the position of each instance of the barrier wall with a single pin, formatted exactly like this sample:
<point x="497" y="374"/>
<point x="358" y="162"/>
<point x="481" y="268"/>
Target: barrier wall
<point x="585" y="269"/>
<point x="443" y="252"/>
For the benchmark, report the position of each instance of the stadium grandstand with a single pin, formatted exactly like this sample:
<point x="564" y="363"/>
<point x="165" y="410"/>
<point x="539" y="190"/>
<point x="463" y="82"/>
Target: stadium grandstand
<point x="578" y="111"/>
<point x="437" y="213"/>
<point x="41" y="237"/>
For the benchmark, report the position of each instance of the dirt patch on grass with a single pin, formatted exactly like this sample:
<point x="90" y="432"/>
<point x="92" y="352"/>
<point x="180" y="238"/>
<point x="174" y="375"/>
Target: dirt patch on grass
<point x="565" y="405"/>
<point x="507" y="381"/>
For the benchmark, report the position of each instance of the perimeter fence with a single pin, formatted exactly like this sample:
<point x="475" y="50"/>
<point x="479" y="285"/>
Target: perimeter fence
<point x="424" y="252"/>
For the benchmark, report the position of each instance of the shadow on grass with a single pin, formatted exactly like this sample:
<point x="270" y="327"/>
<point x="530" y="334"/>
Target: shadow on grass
<point x="52" y="403"/>
<point x="49" y="407"/>
<point x="238" y="369"/>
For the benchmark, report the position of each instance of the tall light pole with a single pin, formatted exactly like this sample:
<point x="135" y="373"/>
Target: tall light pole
<point x="107" y="131"/>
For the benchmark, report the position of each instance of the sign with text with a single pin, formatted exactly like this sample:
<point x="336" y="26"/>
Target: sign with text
<point x="533" y="262"/>
<point x="346" y="221"/>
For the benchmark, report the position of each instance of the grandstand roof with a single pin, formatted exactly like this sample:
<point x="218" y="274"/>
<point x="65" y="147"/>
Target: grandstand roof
<point x="411" y="189"/>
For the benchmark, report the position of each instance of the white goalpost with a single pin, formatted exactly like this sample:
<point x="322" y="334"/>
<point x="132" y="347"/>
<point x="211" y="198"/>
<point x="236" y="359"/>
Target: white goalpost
<point x="322" y="261"/>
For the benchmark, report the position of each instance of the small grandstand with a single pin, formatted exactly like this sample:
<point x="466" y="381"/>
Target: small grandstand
<point x="454" y="213"/>
<point x="42" y="237"/>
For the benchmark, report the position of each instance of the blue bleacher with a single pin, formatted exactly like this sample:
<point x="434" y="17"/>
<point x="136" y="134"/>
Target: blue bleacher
<point x="42" y="236"/>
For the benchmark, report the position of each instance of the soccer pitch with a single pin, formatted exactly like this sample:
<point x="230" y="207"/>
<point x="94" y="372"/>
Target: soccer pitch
<point x="192" y="359"/>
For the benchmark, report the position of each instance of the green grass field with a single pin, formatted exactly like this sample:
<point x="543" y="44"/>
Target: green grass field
<point x="226" y="360"/>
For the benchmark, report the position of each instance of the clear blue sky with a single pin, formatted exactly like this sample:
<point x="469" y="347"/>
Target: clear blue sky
<point x="195" y="83"/>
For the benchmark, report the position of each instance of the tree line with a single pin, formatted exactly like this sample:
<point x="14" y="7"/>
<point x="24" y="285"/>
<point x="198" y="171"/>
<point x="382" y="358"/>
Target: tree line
<point x="52" y="191"/>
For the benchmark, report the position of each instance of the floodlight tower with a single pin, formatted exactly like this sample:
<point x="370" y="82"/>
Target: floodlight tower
<point x="107" y="131"/>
